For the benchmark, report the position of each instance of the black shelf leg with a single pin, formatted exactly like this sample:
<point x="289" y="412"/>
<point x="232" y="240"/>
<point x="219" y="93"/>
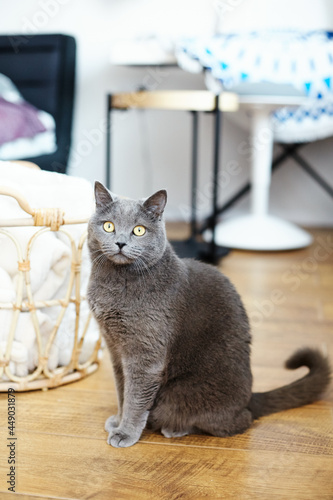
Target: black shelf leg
<point x="108" y="143"/>
<point x="215" y="252"/>
<point x="194" y="181"/>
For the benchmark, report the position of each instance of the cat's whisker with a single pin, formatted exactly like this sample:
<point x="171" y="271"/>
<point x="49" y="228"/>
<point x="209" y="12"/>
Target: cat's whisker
<point x="142" y="267"/>
<point x="95" y="251"/>
<point x="98" y="262"/>
<point x="145" y="265"/>
<point x="144" y="270"/>
<point x="95" y="259"/>
<point x="139" y="268"/>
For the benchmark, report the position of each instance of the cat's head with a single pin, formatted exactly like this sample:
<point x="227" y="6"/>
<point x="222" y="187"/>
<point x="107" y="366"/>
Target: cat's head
<point x="127" y="231"/>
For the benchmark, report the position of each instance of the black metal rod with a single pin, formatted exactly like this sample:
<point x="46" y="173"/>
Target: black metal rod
<point x="242" y="192"/>
<point x="108" y="142"/>
<point x="216" y="160"/>
<point x="305" y="165"/>
<point x="194" y="181"/>
<point x="246" y="188"/>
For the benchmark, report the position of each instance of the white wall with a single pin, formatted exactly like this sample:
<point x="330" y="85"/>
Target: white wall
<point x="151" y="150"/>
<point x="248" y="15"/>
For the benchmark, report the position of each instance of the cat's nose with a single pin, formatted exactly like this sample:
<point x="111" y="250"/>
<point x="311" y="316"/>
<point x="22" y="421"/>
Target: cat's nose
<point x="120" y="244"/>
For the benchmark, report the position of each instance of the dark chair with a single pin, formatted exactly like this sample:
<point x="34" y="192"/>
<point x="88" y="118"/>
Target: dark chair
<point x="43" y="69"/>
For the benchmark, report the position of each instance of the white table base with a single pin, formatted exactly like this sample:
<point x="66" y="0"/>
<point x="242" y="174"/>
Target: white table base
<point x="259" y="230"/>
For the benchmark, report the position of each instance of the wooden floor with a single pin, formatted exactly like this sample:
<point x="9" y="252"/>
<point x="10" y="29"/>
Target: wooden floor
<point x="61" y="444"/>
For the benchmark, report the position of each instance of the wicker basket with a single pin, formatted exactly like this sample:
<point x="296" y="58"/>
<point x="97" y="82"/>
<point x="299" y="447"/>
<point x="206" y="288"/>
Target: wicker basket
<point x="42" y="377"/>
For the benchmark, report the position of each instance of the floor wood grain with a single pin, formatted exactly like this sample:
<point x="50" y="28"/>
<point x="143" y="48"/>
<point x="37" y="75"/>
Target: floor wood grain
<point x="61" y="445"/>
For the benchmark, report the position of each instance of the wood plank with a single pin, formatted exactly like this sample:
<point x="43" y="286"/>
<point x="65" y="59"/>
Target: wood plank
<point x="88" y="468"/>
<point x="20" y="496"/>
<point x="76" y="413"/>
<point x="69" y="415"/>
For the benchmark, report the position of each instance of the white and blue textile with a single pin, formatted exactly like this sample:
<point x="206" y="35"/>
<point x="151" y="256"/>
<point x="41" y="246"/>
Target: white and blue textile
<point x="307" y="123"/>
<point x="303" y="60"/>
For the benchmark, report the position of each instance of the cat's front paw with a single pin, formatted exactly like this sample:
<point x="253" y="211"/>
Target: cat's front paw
<point x="119" y="439"/>
<point x="111" y="423"/>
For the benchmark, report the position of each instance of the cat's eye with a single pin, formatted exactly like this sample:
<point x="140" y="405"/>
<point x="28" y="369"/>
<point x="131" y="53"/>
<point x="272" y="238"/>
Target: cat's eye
<point x="139" y="230"/>
<point x="108" y="227"/>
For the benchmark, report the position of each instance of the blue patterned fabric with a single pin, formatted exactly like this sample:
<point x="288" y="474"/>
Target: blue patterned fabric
<point x="301" y="59"/>
<point x="304" y="60"/>
<point x="307" y="123"/>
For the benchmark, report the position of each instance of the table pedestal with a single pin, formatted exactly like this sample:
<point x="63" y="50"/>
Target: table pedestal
<point x="259" y="230"/>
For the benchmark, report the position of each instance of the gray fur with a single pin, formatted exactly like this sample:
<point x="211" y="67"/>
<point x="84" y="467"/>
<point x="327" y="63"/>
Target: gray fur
<point x="177" y="332"/>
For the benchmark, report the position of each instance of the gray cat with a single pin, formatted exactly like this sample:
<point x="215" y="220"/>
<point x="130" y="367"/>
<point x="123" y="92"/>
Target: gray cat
<point x="177" y="332"/>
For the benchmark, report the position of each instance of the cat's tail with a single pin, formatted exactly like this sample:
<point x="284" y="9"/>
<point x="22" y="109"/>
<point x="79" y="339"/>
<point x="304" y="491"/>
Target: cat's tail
<point x="304" y="391"/>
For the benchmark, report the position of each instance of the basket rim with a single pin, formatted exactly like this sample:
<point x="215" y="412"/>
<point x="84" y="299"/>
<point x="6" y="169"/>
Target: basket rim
<point x="42" y="217"/>
<point x="49" y="383"/>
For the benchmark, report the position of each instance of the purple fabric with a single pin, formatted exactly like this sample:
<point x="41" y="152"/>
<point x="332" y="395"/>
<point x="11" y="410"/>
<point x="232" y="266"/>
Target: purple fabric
<point x="18" y="120"/>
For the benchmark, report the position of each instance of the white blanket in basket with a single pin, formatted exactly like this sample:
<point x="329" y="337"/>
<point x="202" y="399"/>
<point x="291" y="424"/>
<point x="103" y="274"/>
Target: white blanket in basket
<point x="50" y="265"/>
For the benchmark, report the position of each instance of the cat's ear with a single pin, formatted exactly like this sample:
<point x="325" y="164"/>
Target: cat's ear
<point x="155" y="204"/>
<point x="102" y="195"/>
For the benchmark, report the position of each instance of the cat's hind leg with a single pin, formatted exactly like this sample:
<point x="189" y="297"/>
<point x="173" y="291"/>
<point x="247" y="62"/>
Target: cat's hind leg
<point x="171" y="421"/>
<point x="166" y="429"/>
<point x="225" y="424"/>
<point x="178" y="411"/>
<point x="170" y="433"/>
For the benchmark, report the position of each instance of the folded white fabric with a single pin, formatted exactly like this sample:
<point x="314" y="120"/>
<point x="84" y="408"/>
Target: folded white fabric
<point x="50" y="262"/>
<point x="24" y="352"/>
<point x="49" y="189"/>
<point x="49" y="258"/>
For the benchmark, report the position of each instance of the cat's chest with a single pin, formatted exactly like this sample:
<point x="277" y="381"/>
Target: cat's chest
<point x="123" y="302"/>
